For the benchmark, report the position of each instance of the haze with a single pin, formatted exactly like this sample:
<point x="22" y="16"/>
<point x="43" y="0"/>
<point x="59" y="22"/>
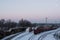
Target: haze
<point x="33" y="10"/>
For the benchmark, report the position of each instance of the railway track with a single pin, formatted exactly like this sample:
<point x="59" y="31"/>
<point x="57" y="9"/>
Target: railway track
<point x="31" y="38"/>
<point x="25" y="37"/>
<point x="39" y="36"/>
<point x="44" y="35"/>
<point x="11" y="36"/>
<point x="20" y="36"/>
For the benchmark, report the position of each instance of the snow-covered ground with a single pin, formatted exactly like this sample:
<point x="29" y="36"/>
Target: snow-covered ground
<point x="48" y="35"/>
<point x="8" y="37"/>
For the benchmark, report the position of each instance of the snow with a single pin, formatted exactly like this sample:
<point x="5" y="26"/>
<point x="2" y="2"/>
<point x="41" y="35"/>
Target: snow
<point x="39" y="36"/>
<point x="27" y="30"/>
<point x="48" y="35"/>
<point x="10" y="36"/>
<point x="26" y="37"/>
<point x="29" y="36"/>
<point x="22" y="34"/>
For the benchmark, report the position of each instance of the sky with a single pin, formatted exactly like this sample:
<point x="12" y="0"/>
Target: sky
<point x="33" y="10"/>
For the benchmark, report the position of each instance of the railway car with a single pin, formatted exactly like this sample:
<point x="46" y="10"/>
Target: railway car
<point x="42" y="29"/>
<point x="38" y="30"/>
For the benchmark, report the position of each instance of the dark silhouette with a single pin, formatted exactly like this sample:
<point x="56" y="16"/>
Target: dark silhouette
<point x="25" y="23"/>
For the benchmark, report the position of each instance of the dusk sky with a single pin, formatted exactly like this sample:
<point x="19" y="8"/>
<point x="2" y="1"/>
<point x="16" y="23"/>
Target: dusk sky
<point x="33" y="10"/>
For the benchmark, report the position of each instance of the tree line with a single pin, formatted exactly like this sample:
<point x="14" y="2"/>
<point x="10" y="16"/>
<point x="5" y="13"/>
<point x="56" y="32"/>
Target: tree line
<point x="7" y="24"/>
<point x="11" y="24"/>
